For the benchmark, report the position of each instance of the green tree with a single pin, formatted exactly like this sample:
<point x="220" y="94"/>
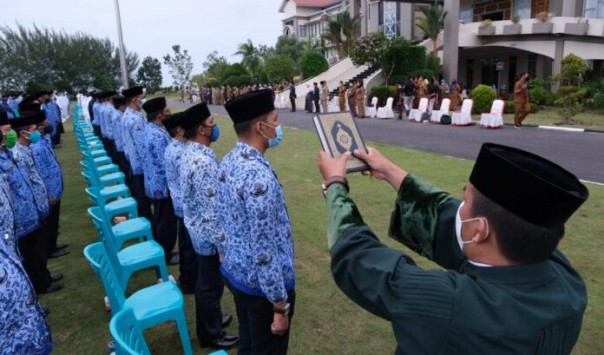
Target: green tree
<point x="199" y="79"/>
<point x="265" y="51"/>
<point x="290" y="47"/>
<point x="432" y="22"/>
<point x="149" y="74"/>
<point x="40" y="57"/>
<point x="279" y="68"/>
<point x="350" y="29"/>
<point x="333" y="32"/>
<point x="180" y="65"/>
<point x="570" y="95"/>
<point x="250" y="57"/>
<point x="312" y="64"/>
<point x="214" y="65"/>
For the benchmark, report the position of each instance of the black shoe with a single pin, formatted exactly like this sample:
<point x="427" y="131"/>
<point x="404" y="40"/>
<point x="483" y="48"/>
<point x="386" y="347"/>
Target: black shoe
<point x="62" y="246"/>
<point x="52" y="288"/>
<point x="226" y="342"/>
<point x="226" y="320"/>
<point x="58" y="253"/>
<point x="56" y="277"/>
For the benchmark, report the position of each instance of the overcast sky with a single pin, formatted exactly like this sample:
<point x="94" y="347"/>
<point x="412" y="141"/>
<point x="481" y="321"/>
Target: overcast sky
<point x="151" y="27"/>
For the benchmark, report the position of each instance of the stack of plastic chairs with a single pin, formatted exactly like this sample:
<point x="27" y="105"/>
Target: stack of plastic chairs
<point x="123" y="249"/>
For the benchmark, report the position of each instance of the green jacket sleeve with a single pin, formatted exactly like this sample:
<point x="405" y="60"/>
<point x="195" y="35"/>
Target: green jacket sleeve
<point x="424" y="220"/>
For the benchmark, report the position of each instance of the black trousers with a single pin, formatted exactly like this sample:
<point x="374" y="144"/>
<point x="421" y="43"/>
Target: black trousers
<point x="164" y="225"/>
<point x="52" y="227"/>
<point x="208" y="291"/>
<point x="138" y="192"/>
<point x="97" y="131"/>
<point x="129" y="177"/>
<point x="187" y="257"/>
<point x="33" y="248"/>
<point x="293" y="102"/>
<point x="317" y="106"/>
<point x="255" y="315"/>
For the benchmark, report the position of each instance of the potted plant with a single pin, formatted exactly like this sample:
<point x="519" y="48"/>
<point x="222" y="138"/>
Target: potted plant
<point x="577" y="29"/>
<point x="543" y="25"/>
<point x="515" y="28"/>
<point x="487" y="28"/>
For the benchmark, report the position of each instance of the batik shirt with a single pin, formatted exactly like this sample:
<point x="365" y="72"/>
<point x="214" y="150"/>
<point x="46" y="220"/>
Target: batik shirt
<point x="96" y="108"/>
<point x="108" y="121"/>
<point x="48" y="167"/>
<point x="27" y="217"/>
<point x="259" y="253"/>
<point x="135" y="127"/>
<point x="51" y="116"/>
<point x="23" y="328"/>
<point x="117" y="129"/>
<point x="24" y="157"/>
<point x="172" y="157"/>
<point x="199" y="183"/>
<point x="127" y="118"/>
<point x="156" y="139"/>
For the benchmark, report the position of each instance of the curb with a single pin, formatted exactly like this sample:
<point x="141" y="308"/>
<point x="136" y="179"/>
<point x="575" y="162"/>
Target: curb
<point x="567" y="129"/>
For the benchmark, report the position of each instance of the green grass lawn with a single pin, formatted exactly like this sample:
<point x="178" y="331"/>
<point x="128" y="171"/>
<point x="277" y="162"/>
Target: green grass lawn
<point x="326" y="322"/>
<point x="549" y="117"/>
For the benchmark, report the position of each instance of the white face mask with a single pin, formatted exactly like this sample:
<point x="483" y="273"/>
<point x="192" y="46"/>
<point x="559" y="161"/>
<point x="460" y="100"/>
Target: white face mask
<point x="458" y="224"/>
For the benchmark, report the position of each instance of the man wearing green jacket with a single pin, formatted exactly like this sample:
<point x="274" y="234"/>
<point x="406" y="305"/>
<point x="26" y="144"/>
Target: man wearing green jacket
<point x="505" y="288"/>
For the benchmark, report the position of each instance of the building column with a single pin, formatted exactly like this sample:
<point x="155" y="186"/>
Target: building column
<point x="451" y="40"/>
<point x="557" y="63"/>
<point x="569" y="8"/>
<point x="406" y="21"/>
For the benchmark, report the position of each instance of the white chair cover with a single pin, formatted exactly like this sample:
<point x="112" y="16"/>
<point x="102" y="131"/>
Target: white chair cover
<point x="371" y="111"/>
<point x="463" y="118"/>
<point x="416" y="114"/>
<point x="494" y="119"/>
<point x="386" y="111"/>
<point x="332" y="105"/>
<point x="444" y="110"/>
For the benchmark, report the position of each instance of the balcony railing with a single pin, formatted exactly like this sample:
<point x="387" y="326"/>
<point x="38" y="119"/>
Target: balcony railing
<point x="556" y="25"/>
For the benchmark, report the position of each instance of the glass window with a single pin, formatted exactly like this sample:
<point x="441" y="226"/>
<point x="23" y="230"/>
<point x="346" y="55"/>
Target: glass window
<point x="302" y="31"/>
<point x="594" y="9"/>
<point x="522" y="8"/>
<point x="466" y="15"/>
<point x="532" y="63"/>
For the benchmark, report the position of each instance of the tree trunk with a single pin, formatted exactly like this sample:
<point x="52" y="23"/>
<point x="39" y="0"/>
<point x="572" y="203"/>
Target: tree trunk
<point x="434" y="43"/>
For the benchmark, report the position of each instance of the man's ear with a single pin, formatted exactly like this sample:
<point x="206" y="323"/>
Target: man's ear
<point x="482" y="230"/>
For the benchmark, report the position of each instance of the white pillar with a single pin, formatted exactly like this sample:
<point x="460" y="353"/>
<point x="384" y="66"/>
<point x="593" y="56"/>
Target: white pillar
<point x="451" y="40"/>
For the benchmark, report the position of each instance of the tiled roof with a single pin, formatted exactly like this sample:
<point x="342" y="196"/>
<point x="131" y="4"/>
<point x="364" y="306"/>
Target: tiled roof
<point x="315" y="3"/>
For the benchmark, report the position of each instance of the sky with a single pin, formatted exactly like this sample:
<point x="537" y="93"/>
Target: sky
<point x="152" y="27"/>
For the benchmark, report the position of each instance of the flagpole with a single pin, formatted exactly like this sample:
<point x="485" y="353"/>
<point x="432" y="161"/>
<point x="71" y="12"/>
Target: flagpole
<point x="122" y="51"/>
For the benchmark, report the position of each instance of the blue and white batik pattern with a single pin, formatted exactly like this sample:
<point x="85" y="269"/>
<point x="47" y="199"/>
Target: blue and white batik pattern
<point x="27" y="217"/>
<point x="127" y="118"/>
<point x="96" y="113"/>
<point x="135" y="127"/>
<point x="117" y="130"/>
<point x="259" y="253"/>
<point x="23" y="328"/>
<point x="108" y="121"/>
<point x="173" y="157"/>
<point x="199" y="183"/>
<point x="24" y="157"/>
<point x="156" y="139"/>
<point x="48" y="167"/>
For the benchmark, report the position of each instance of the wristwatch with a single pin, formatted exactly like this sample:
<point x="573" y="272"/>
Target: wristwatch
<point x="283" y="311"/>
<point x="336" y="179"/>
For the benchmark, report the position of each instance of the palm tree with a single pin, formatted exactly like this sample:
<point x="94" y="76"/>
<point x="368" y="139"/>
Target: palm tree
<point x="350" y="28"/>
<point x="250" y="57"/>
<point x="432" y="21"/>
<point x="333" y="32"/>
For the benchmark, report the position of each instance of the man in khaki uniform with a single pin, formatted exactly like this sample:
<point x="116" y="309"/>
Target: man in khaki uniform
<point x="342" y="96"/>
<point x="360" y="99"/>
<point x="521" y="100"/>
<point x="352" y="104"/>
<point x="324" y="96"/>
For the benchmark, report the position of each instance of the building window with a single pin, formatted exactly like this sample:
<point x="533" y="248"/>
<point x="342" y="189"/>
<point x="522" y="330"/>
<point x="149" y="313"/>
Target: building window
<point x="512" y="68"/>
<point x="302" y="31"/>
<point x="594" y="9"/>
<point x="522" y="8"/>
<point x="465" y="15"/>
<point x="389" y="18"/>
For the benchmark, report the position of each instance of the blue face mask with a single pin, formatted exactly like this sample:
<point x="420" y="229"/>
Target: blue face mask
<point x="35" y="136"/>
<point x="215" y="133"/>
<point x="273" y="142"/>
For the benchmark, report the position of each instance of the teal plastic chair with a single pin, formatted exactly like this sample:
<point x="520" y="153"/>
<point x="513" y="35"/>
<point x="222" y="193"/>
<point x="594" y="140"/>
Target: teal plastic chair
<point x="128" y="336"/>
<point x="152" y="305"/>
<point x="103" y="196"/>
<point x="133" y="228"/>
<point x="143" y="255"/>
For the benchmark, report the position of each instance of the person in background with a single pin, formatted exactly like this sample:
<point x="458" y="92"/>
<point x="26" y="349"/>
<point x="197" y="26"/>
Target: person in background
<point x="521" y="100"/>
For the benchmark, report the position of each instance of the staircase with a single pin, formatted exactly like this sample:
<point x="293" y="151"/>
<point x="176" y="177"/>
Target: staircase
<point x="359" y="77"/>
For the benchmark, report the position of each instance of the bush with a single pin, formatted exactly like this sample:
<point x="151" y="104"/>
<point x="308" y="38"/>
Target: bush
<point x="509" y="107"/>
<point x="483" y="97"/>
<point x="312" y="64"/>
<point x="540" y="97"/>
<point x="426" y="73"/>
<point x="382" y="93"/>
<point x="599" y="101"/>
